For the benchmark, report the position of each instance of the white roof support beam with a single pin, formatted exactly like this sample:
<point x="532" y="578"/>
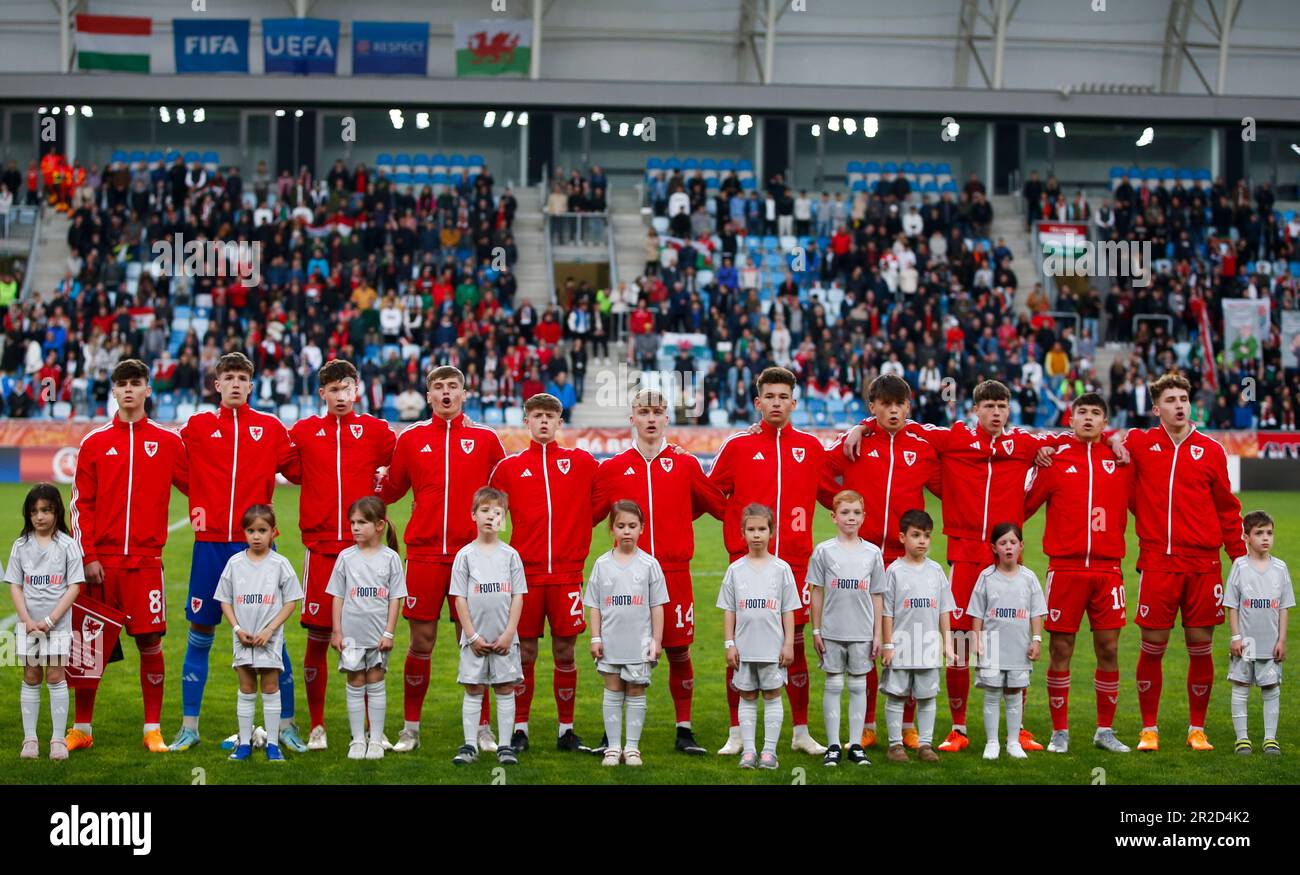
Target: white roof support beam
<point x="1000" y="23"/>
<point x="1228" y="19"/>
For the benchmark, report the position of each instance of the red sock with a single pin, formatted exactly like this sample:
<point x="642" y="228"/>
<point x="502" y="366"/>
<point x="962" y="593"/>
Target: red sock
<point x="315" y="674"/>
<point x="1150" y="679"/>
<point x="417" y="684"/>
<point x="681" y="682"/>
<point x="565" y="683"/>
<point x="1058" y="698"/>
<point x="485" y="716"/>
<point x="796" y="684"/>
<point x="1200" y="680"/>
<point x="958" y="678"/>
<point x="873" y="689"/>
<point x="1106" y="683"/>
<point x="84" y="700"/>
<point x="733" y="699"/>
<point x="909" y="712"/>
<point x="524" y="694"/>
<point x="152" y="675"/>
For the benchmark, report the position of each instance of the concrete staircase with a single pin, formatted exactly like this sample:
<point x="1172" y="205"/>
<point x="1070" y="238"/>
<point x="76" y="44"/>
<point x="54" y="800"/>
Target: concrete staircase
<point x="1009" y="223"/>
<point x="629" y="226"/>
<point x="51" y="253"/>
<point x="530" y="271"/>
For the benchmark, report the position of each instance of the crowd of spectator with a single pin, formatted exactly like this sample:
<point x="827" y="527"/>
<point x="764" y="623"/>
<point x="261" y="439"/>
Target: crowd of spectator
<point x="1208" y="243"/>
<point x="577" y="207"/>
<point x="350" y="265"/>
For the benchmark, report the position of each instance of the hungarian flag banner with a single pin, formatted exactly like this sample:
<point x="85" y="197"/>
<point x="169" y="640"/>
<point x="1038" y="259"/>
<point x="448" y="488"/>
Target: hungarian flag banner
<point x="493" y="48"/>
<point x="95" y="627"/>
<point x="1209" y="374"/>
<point x="113" y="42"/>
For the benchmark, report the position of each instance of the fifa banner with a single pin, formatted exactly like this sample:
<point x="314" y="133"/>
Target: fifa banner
<point x="1291" y="339"/>
<point x="390" y="48"/>
<point x="95" y="629"/>
<point x="206" y="45"/>
<point x="1245" y="328"/>
<point x="493" y="47"/>
<point x="302" y="46"/>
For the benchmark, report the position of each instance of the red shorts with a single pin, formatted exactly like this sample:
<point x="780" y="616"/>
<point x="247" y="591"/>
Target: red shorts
<point x="1162" y="594"/>
<point x="318" y="605"/>
<point x="427" y="582"/>
<point x="679" y="613"/>
<point x="560" y="604"/>
<point x="963" y="578"/>
<point x="140" y="593"/>
<point x="1071" y="590"/>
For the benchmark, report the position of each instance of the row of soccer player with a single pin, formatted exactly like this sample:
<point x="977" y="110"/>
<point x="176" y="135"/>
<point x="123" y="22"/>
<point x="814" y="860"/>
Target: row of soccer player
<point x="1086" y="480"/>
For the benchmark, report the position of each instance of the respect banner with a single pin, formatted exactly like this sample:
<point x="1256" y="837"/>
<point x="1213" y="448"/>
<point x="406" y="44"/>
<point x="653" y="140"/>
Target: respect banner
<point x="390" y="48"/>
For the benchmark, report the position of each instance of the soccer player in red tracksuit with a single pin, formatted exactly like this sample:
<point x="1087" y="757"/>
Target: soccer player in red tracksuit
<point x="336" y="460"/>
<point x="983" y="470"/>
<point x="443" y="461"/>
<point x="783" y="468"/>
<point x="1087" y="492"/>
<point x="893" y="469"/>
<point x="669" y="486"/>
<point x="120" y="495"/>
<point x="1185" y="511"/>
<point x="550" y="509"/>
<point x="234" y="455"/>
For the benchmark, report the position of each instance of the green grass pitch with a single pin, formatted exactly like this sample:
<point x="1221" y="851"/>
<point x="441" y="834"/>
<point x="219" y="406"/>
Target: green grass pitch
<point x="118" y="757"/>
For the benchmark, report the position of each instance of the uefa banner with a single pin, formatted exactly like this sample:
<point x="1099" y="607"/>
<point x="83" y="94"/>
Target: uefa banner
<point x="493" y="47"/>
<point x="302" y="46"/>
<point x="206" y="45"/>
<point x="390" y="48"/>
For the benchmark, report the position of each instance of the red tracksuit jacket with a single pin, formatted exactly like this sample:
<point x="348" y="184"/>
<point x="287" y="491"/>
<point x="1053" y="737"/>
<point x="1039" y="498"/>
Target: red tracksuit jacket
<point x="1087" y="495"/>
<point x="122" y="489"/>
<point x="892" y="473"/>
<point x="781" y="468"/>
<point x="335" y="459"/>
<point x="550" y="509"/>
<point x="1184" y="502"/>
<point x="672" y="492"/>
<point x="234" y="456"/>
<point x="443" y="464"/>
<point x="983" y="481"/>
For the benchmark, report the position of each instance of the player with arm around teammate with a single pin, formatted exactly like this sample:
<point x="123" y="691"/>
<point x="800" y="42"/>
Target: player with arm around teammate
<point x="44" y="573"/>
<point x="847" y="575"/>
<point x="368" y="587"/>
<point x="488" y="586"/>
<point x="1258" y="595"/>
<point x="1007" y="610"/>
<point x="915" y="636"/>
<point x="258" y="592"/>
<point x="758" y="599"/>
<point x="626" y="594"/>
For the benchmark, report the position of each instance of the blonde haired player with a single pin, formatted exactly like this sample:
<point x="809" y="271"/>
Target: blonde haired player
<point x="626" y="594"/>
<point x="487" y="583"/>
<point x="847" y="578"/>
<point x="1257" y="596"/>
<point x="914" y="624"/>
<point x="759" y="599"/>
<point x="1006" y="610"/>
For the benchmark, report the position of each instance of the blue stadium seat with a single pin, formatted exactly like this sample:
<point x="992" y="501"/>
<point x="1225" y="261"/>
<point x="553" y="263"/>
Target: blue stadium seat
<point x="654" y="163"/>
<point x="708" y="164"/>
<point x="421" y="179"/>
<point x="402" y="178"/>
<point x="859" y="185"/>
<point x="172" y="155"/>
<point x="191" y="157"/>
<point x="925" y="168"/>
<point x="726" y="164"/>
<point x="890" y="167"/>
<point x="372" y="353"/>
<point x="749" y="184"/>
<point x="421" y="161"/>
<point x="457" y="161"/>
<point x="872" y="167"/>
<point x="384" y="158"/>
<point x="441" y="179"/>
<point x="690" y="164"/>
<point x="120" y="157"/>
<point x="771" y="243"/>
<point x="907" y="167"/>
<point x="210" y="159"/>
<point x="493" y="416"/>
<point x="854" y="167"/>
<point x="672" y="162"/>
<point x="475" y="161"/>
<point x="745" y="164"/>
<point x="402" y="163"/>
<point x="943" y="168"/>
<point x="929" y="187"/>
<point x="950" y="187"/>
<point x="711" y="182"/>
<point x="154" y="157"/>
<point x="1202" y="175"/>
<point x="1185" y="176"/>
